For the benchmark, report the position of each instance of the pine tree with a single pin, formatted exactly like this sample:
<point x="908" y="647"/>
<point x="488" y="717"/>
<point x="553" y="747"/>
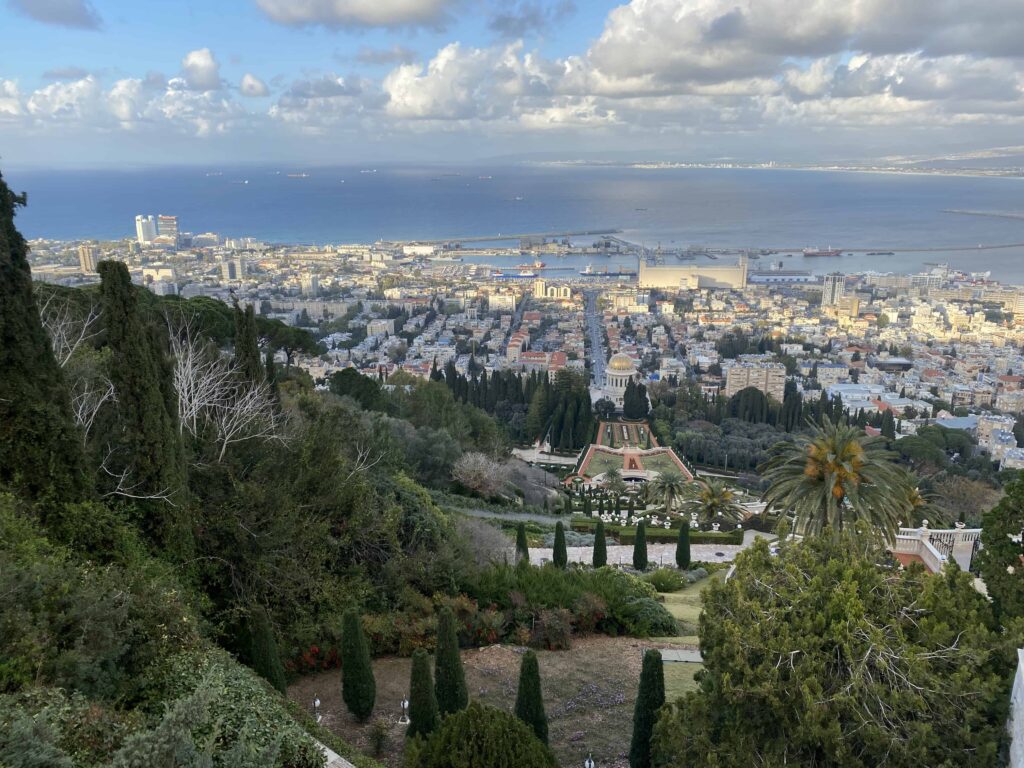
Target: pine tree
<point x="683" y="546"/>
<point x="560" y="556"/>
<point x="529" y="701"/>
<point x="640" y="547"/>
<point x="150" y="452"/>
<point x="423" y="717"/>
<point x="247" y="351"/>
<point x="649" y="699"/>
<point x="449" y="677"/>
<point x="40" y="447"/>
<point x="358" y="687"/>
<point x="600" y="546"/>
<point x="265" y="658"/>
<point x="522" y="546"/>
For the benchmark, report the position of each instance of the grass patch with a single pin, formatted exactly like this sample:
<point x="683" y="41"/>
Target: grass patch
<point x="589" y="694"/>
<point x="679" y="679"/>
<point x="601" y="462"/>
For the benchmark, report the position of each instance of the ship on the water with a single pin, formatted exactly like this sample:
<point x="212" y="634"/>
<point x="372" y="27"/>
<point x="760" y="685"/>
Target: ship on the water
<point x="532" y="265"/>
<point x="589" y="271"/>
<point x="818" y="252"/>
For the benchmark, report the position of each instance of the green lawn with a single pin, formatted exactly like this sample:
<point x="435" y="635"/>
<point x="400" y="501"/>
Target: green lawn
<point x="602" y="462"/>
<point x="679" y="679"/>
<point x="661" y="462"/>
<point x="685" y="605"/>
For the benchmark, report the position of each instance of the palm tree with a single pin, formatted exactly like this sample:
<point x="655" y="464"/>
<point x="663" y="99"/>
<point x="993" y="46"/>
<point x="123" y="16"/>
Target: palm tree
<point x="712" y="499"/>
<point x="836" y="476"/>
<point x="613" y="481"/>
<point x="667" y="487"/>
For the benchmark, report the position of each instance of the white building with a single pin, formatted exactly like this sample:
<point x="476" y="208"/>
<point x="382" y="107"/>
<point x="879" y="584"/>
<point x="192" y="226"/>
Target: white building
<point x="619" y="372"/>
<point x="145" y="229"/>
<point x="833" y="289"/>
<point x="310" y="284"/>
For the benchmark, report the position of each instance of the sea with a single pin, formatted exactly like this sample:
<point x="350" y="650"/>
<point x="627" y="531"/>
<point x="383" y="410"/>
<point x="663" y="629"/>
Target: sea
<point x="675" y="208"/>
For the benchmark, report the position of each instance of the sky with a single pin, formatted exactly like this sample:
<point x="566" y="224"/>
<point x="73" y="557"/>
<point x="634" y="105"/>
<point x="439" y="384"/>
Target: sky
<point x="124" y="83"/>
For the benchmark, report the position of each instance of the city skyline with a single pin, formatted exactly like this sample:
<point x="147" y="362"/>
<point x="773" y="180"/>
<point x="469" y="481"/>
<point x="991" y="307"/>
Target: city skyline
<point x="440" y="80"/>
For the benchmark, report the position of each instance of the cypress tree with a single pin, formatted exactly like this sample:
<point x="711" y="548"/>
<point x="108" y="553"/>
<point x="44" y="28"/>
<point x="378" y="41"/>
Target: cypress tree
<point x="358" y="688"/>
<point x="150" y="449"/>
<point x="640" y="547"/>
<point x="529" y="701"/>
<point x="560" y="556"/>
<point x="270" y="372"/>
<point x="247" y="351"/>
<point x="683" y="546"/>
<point x="649" y="699"/>
<point x="522" y="545"/>
<point x="40" y="447"/>
<point x="600" y="546"/>
<point x="265" y="658"/>
<point x="423" y="717"/>
<point x="449" y="677"/>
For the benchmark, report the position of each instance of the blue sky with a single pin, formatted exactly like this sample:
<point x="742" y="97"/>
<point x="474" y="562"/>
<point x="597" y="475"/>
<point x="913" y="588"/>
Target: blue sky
<point x="108" y="82"/>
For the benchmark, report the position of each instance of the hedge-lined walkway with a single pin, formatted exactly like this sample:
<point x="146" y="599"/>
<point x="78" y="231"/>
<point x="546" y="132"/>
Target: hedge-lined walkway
<point x="657" y="554"/>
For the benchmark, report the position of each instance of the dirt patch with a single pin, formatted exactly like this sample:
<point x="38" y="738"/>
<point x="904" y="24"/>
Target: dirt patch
<point x="589" y="693"/>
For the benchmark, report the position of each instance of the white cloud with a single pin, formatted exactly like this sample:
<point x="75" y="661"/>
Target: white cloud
<point x="10" y="100"/>
<point x="201" y="70"/>
<point x="358" y="13"/>
<point x="253" y="86"/>
<point x="75" y="101"/>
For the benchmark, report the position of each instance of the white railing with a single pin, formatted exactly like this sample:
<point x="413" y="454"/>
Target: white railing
<point x="914" y="543"/>
<point x="958" y="543"/>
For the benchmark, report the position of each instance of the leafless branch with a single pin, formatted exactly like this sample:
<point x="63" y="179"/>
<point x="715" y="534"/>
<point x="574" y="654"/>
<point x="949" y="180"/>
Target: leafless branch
<point x="67" y="327"/>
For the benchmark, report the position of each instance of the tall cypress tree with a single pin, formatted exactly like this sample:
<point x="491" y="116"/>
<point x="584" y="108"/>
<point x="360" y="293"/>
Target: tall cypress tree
<point x="449" y="677"/>
<point x="600" y="545"/>
<point x="560" y="556"/>
<point x="150" y="450"/>
<point x="649" y="699"/>
<point x="40" y="447"/>
<point x="522" y="546"/>
<point x="640" y="547"/>
<point x="423" y="717"/>
<point x="683" y="546"/>
<point x="529" y="700"/>
<point x="247" y="351"/>
<point x="265" y="658"/>
<point x="358" y="688"/>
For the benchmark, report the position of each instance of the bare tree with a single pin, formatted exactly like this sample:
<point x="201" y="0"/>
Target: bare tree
<point x="211" y="392"/>
<point x="481" y="473"/>
<point x="247" y="413"/>
<point x="88" y="395"/>
<point x="68" y="326"/>
<point x="123" y="485"/>
<point x="203" y="379"/>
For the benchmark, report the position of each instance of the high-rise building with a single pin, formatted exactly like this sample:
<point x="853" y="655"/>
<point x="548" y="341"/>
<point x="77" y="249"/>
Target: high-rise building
<point x="145" y="229"/>
<point x="833" y="290"/>
<point x="167" y="227"/>
<point x="232" y="269"/>
<point x="770" y="378"/>
<point x="310" y="284"/>
<point x="87" y="253"/>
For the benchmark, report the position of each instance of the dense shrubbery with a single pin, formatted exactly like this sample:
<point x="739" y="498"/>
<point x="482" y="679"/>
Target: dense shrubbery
<point x="672" y="579"/>
<point x="480" y="736"/>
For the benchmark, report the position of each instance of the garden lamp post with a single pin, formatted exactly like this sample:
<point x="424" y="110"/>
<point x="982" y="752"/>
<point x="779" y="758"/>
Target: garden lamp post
<point x="589" y="762"/>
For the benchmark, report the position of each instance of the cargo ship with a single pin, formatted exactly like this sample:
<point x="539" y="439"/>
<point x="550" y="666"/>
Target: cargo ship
<point x="817" y="252"/>
<point x="591" y="272"/>
<point x="532" y="265"/>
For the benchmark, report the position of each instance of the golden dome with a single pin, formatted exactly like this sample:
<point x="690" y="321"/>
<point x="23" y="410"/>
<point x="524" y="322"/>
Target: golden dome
<point x="621" y="362"/>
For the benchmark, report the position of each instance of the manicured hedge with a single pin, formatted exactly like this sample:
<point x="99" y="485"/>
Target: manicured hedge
<point x="625" y="534"/>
